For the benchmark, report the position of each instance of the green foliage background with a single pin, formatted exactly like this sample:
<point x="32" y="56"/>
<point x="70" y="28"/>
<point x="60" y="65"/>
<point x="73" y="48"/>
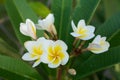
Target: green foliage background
<point x="104" y="14"/>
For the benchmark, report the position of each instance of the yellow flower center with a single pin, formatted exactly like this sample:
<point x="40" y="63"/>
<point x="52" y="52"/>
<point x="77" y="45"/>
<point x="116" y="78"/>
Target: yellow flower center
<point x="55" y="54"/>
<point x="37" y="51"/>
<point x="82" y="32"/>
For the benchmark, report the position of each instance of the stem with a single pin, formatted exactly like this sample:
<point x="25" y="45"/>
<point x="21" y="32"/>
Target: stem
<point x="59" y="72"/>
<point x="82" y="43"/>
<point x="83" y="50"/>
<point x="75" y="42"/>
<point x="95" y="77"/>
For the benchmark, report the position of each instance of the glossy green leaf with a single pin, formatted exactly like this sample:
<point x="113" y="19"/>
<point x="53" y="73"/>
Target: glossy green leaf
<point x="62" y="12"/>
<point x="85" y="9"/>
<point x="6" y="49"/>
<point x="115" y="39"/>
<point x="109" y="9"/>
<point x="98" y="62"/>
<point x="19" y="11"/>
<point x="40" y="9"/>
<point x="15" y="69"/>
<point x="110" y="26"/>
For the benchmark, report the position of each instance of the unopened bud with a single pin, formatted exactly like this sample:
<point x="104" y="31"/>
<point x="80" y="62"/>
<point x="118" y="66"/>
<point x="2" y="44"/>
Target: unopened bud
<point x="72" y="71"/>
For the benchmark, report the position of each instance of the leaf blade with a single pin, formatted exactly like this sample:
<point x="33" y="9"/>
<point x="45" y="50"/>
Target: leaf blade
<point x="98" y="62"/>
<point x="18" y="12"/>
<point x="62" y="11"/>
<point x="11" y="69"/>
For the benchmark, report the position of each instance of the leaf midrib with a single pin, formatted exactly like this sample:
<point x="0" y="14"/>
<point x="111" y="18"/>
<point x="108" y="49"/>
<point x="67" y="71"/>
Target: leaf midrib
<point x="61" y="18"/>
<point x="16" y="73"/>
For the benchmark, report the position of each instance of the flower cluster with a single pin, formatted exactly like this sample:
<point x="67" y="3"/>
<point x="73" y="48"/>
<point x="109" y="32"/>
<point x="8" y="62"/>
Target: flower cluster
<point x="86" y="32"/>
<point x="54" y="52"/>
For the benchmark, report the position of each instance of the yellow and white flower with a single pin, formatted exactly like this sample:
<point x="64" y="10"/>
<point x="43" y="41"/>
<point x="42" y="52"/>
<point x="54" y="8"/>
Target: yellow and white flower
<point x="56" y="54"/>
<point x="35" y="51"/>
<point x="99" y="45"/>
<point x="28" y="28"/>
<point x="47" y="24"/>
<point x="82" y="31"/>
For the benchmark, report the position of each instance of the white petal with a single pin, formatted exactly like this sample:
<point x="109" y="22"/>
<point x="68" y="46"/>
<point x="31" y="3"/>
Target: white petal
<point x="62" y="44"/>
<point x="50" y="65"/>
<point x="92" y="45"/>
<point x="36" y="63"/>
<point x="65" y="60"/>
<point x="91" y="28"/>
<point x="44" y="58"/>
<point x="39" y="27"/>
<point x="81" y="23"/>
<point x="106" y="46"/>
<point x="41" y="39"/>
<point x="97" y="39"/>
<point x="28" y="57"/>
<point x="23" y="29"/>
<point x="103" y="38"/>
<point x="95" y="48"/>
<point x="42" y="24"/>
<point x="75" y="34"/>
<point x="73" y="26"/>
<point x="50" y="19"/>
<point x="44" y="42"/>
<point x="29" y="45"/>
<point x="31" y="28"/>
<point x="46" y="23"/>
<point x="89" y="36"/>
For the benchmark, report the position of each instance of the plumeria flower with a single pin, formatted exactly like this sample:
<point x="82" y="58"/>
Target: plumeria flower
<point x="47" y="24"/>
<point x="28" y="28"/>
<point x="99" y="45"/>
<point x="35" y="51"/>
<point x="82" y="31"/>
<point x="56" y="54"/>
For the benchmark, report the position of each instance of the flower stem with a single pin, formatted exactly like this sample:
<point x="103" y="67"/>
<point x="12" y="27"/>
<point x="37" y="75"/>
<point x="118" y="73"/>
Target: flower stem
<point x="82" y="43"/>
<point x="75" y="42"/>
<point x="59" y="73"/>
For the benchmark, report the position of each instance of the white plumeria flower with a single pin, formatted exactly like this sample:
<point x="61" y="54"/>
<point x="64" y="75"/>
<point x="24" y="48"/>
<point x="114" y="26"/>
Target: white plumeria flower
<point x="56" y="54"/>
<point x="47" y="24"/>
<point x="82" y="31"/>
<point x="35" y="51"/>
<point x="99" y="45"/>
<point x="28" y="28"/>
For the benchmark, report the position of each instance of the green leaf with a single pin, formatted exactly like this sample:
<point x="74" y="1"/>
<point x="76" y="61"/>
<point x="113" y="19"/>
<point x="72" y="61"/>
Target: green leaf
<point x="19" y="11"/>
<point x="85" y="9"/>
<point x="6" y="49"/>
<point x="109" y="9"/>
<point x="15" y="69"/>
<point x="62" y="11"/>
<point x="115" y="39"/>
<point x="40" y="9"/>
<point x="98" y="62"/>
<point x="111" y="30"/>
